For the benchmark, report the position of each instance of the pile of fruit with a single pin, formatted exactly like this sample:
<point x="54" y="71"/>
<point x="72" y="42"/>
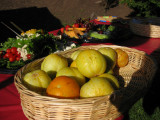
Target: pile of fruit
<point x="89" y="31"/>
<point x="87" y="73"/>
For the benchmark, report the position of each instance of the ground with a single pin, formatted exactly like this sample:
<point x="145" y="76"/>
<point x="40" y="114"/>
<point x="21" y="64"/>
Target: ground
<point x="51" y="15"/>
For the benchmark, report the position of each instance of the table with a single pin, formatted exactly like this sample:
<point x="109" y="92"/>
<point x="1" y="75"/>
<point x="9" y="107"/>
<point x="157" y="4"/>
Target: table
<point x="10" y="106"/>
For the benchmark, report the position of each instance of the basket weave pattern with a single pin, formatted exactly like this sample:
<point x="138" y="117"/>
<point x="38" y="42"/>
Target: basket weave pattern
<point x="134" y="79"/>
<point x="147" y="30"/>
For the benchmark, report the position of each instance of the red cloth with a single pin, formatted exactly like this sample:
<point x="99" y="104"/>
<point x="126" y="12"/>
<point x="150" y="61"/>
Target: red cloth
<point x="148" y="45"/>
<point x="101" y="23"/>
<point x="10" y="106"/>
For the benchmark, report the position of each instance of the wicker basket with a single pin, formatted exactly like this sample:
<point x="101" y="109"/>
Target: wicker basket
<point x="135" y="79"/>
<point x="148" y="27"/>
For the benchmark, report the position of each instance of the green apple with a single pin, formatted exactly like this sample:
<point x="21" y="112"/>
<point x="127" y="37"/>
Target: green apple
<point x="96" y="86"/>
<point x="110" y="55"/>
<point x="73" y="73"/>
<point x="91" y="63"/>
<point x="112" y="79"/>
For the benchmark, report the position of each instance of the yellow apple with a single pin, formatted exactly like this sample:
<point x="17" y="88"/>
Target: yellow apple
<point x="73" y="73"/>
<point x="96" y="86"/>
<point x="53" y="63"/>
<point x="112" y="79"/>
<point x="37" y="80"/>
<point x="91" y="63"/>
<point x="110" y="71"/>
<point x="75" y="54"/>
<point x="110" y="55"/>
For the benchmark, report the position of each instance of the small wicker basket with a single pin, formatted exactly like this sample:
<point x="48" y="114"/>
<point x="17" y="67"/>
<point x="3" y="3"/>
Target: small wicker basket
<point x="148" y="27"/>
<point x="135" y="79"/>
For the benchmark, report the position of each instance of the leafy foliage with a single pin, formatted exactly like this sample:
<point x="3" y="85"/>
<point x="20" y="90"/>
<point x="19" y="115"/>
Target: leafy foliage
<point x="143" y="8"/>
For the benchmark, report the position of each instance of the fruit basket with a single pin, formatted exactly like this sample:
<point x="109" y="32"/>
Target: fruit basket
<point x="135" y="79"/>
<point x="148" y="27"/>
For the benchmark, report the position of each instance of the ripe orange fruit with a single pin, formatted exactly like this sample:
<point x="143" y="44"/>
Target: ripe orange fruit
<point x="63" y="87"/>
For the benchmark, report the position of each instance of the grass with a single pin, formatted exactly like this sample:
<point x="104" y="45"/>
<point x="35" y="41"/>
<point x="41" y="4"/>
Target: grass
<point x="137" y="112"/>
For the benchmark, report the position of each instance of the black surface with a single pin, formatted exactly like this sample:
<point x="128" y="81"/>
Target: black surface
<point x="27" y="18"/>
<point x="7" y="71"/>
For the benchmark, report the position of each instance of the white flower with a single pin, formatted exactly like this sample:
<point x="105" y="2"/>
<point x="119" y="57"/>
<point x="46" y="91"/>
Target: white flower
<point x="67" y="48"/>
<point x="70" y="47"/>
<point x="37" y="34"/>
<point x="73" y="45"/>
<point x="23" y="52"/>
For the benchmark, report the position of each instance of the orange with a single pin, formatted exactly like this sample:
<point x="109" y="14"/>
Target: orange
<point x="63" y="87"/>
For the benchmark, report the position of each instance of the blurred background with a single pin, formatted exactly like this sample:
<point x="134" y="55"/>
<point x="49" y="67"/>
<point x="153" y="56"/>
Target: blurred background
<point x="68" y="10"/>
<point x="53" y="14"/>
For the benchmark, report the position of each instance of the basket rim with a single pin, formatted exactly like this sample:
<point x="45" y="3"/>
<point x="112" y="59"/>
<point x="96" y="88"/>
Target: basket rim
<point x="144" y="19"/>
<point x="104" y="45"/>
